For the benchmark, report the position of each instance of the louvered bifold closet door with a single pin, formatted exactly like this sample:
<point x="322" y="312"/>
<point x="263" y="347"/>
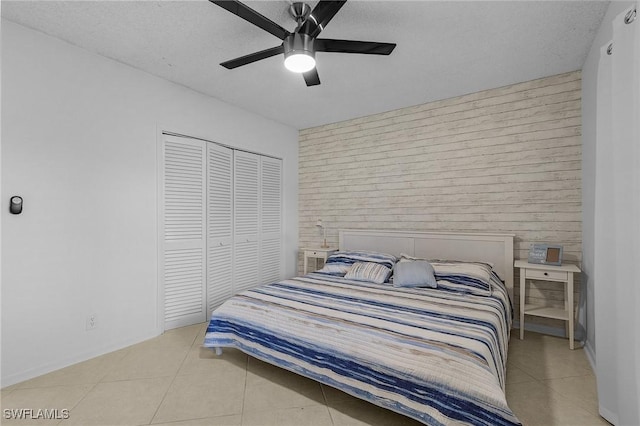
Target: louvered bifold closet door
<point x="246" y="214"/>
<point x="219" y="225"/>
<point x="183" y="269"/>
<point x="270" y="220"/>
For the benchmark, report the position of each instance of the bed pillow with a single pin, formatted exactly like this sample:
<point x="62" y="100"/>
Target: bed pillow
<point x="368" y="271"/>
<point x="336" y="269"/>
<point x="417" y="273"/>
<point x="339" y="263"/>
<point x="335" y="266"/>
<point x="351" y="257"/>
<point x="463" y="277"/>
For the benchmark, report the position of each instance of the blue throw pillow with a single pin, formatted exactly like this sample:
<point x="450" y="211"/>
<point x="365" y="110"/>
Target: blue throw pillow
<point x="418" y="273"/>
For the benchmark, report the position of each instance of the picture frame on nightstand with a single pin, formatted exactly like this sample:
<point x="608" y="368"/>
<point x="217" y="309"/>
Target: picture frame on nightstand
<point x="545" y="254"/>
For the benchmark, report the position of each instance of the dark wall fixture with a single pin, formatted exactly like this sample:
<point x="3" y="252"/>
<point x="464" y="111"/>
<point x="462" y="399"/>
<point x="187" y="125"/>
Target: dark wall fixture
<point x="15" y="204"/>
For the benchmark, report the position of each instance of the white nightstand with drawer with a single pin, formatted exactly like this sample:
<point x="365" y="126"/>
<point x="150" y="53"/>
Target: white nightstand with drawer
<point x="316" y="253"/>
<point x="560" y="274"/>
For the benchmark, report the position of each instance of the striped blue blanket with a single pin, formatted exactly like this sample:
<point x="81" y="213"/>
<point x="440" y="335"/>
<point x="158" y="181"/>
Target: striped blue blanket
<point x="434" y="355"/>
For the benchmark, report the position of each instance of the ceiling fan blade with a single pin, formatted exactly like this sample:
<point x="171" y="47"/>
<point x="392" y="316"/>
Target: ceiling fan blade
<point x="311" y="77"/>
<point x="253" y="57"/>
<point x="320" y="16"/>
<point x="352" y="46"/>
<point x="253" y="17"/>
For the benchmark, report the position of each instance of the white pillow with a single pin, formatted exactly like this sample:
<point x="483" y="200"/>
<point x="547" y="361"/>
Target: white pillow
<point x="368" y="271"/>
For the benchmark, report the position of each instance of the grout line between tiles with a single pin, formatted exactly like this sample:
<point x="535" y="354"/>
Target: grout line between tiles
<point x="155" y="413"/>
<point x="326" y="402"/>
<point x="244" y="391"/>
<point x="79" y="401"/>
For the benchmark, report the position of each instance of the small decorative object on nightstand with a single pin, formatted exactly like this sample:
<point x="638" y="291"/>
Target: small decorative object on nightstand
<point x="322" y="227"/>
<point x="316" y="253"/>
<point x="559" y="274"/>
<point x="545" y="254"/>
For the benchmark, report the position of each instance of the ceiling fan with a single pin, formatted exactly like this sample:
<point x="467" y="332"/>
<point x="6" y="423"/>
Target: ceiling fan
<point x="299" y="46"/>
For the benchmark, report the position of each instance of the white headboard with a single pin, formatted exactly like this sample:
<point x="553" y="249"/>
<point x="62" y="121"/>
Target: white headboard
<point x="493" y="248"/>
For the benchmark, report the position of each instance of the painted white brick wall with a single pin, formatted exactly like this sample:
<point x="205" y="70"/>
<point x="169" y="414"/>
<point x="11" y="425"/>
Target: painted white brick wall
<point x="500" y="160"/>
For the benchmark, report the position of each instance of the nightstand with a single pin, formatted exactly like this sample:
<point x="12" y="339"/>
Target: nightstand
<point x="316" y="253"/>
<point x="558" y="274"/>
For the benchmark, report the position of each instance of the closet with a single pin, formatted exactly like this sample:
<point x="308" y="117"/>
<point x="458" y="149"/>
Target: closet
<point x="220" y="225"/>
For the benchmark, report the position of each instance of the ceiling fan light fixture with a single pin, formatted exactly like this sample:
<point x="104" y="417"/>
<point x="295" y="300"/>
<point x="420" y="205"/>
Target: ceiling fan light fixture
<point x="298" y="53"/>
<point x="299" y="62"/>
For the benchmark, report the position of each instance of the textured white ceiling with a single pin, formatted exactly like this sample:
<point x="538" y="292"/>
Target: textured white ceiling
<point x="444" y="49"/>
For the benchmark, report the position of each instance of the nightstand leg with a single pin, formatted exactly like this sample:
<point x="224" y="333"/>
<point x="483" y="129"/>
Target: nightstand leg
<point x="566" y="307"/>
<point x="570" y="310"/>
<point x="306" y="265"/>
<point x="522" y="290"/>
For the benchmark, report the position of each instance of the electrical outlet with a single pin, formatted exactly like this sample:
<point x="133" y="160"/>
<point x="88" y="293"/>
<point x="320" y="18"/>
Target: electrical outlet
<point x="92" y="322"/>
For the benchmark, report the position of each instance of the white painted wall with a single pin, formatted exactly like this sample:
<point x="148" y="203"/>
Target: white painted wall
<point x="605" y="367"/>
<point x="79" y="142"/>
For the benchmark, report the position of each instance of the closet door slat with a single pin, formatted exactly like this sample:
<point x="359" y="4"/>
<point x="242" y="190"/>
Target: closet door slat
<point x="219" y="225"/>
<point x="246" y="192"/>
<point x="183" y="233"/>
<point x="270" y="220"/>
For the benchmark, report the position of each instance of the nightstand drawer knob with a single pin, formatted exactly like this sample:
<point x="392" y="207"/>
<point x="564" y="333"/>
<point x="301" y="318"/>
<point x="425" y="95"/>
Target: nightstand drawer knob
<point x="536" y="274"/>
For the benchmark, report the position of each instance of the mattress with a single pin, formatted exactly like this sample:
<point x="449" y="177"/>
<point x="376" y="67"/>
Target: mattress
<point x="433" y="355"/>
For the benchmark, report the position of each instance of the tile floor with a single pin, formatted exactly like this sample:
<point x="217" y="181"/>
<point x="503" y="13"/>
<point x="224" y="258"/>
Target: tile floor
<point x="171" y="380"/>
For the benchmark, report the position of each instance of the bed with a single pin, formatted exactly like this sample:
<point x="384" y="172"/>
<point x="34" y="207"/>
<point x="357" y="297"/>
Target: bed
<point x="437" y="355"/>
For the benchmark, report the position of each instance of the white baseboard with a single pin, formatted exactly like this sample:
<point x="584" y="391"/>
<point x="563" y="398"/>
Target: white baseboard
<point x="608" y="415"/>
<point x="591" y="354"/>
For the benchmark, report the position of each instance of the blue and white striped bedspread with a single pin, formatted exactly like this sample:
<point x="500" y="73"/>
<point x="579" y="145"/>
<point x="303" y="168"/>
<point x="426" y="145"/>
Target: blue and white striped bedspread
<point x="433" y="355"/>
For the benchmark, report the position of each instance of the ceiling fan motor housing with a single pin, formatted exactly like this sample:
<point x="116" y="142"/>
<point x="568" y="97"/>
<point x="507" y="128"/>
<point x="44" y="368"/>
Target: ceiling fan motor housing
<point x="298" y="43"/>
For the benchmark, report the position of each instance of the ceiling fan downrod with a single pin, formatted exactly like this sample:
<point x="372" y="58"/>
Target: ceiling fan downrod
<point x="299" y="12"/>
